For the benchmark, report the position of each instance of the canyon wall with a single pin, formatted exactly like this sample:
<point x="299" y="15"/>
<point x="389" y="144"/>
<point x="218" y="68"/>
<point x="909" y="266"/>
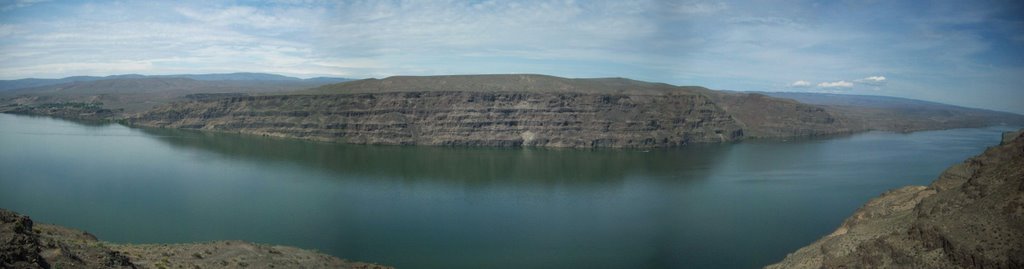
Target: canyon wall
<point x="462" y="118"/>
<point x="502" y="110"/>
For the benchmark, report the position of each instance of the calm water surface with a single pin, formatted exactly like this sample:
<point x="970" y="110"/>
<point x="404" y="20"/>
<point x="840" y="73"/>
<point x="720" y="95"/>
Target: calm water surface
<point x="713" y="206"/>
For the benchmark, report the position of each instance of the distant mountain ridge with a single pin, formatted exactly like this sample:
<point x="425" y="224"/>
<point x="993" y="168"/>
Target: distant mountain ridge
<point x="135" y="93"/>
<point x="239" y="76"/>
<point x="875" y="101"/>
<point x="880" y="112"/>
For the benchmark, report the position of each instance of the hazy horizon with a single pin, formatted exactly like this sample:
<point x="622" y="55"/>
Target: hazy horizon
<point x="962" y="53"/>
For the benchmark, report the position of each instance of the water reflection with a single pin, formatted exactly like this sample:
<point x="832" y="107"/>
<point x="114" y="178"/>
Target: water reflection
<point x="460" y="165"/>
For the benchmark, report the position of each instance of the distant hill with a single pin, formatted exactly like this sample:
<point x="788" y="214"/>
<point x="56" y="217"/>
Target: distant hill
<point x="37" y="82"/>
<point x="257" y="77"/>
<point x="235" y="76"/>
<point x="326" y="80"/>
<point x="902" y="114"/>
<point x="136" y="93"/>
<point x="873" y="101"/>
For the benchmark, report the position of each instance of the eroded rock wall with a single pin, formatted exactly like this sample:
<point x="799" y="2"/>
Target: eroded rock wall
<point x="579" y="120"/>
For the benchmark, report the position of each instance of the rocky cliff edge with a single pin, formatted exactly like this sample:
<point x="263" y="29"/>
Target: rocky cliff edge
<point x="972" y="216"/>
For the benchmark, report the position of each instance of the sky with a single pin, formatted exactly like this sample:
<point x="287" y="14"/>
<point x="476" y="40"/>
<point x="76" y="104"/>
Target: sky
<point x="968" y="53"/>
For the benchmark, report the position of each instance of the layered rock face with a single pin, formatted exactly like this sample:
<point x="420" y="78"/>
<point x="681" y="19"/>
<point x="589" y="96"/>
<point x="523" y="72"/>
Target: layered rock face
<point x="463" y="118"/>
<point x="768" y="117"/>
<point x="491" y="110"/>
<point x="502" y="110"/>
<point x="971" y="217"/>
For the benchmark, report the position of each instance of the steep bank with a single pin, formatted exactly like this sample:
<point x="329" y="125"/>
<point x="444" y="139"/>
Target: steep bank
<point x="972" y="216"/>
<point x="500" y="110"/>
<point x="30" y="245"/>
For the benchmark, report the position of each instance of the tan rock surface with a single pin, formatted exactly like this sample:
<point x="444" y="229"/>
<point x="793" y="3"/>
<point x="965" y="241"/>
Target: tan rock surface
<point x="972" y="216"/>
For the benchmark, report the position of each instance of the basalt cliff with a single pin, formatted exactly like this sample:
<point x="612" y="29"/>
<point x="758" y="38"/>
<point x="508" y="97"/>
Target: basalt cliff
<point x="503" y="110"/>
<point x="972" y="216"/>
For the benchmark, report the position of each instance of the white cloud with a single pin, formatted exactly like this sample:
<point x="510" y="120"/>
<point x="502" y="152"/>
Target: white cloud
<point x="873" y="80"/>
<point x="800" y="84"/>
<point x="836" y="84"/>
<point x="252" y="17"/>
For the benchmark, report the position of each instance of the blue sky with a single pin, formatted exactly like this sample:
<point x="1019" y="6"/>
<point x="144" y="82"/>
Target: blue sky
<point x="967" y="53"/>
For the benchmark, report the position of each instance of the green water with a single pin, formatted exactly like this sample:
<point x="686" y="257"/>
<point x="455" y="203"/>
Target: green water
<point x="713" y="206"/>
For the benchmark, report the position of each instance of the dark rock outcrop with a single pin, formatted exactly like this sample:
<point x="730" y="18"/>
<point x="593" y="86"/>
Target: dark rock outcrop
<point x="972" y="216"/>
<point x="26" y="245"/>
<point x="19" y="245"/>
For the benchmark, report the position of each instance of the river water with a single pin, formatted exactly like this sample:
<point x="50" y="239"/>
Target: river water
<point x="741" y="205"/>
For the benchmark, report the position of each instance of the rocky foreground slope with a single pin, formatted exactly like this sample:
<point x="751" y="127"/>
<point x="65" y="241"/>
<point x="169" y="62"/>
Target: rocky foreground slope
<point x="972" y="216"/>
<point x="503" y="110"/>
<point x="24" y="244"/>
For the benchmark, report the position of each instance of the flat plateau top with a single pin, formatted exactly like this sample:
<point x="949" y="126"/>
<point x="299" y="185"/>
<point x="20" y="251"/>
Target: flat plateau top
<point x="504" y="83"/>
